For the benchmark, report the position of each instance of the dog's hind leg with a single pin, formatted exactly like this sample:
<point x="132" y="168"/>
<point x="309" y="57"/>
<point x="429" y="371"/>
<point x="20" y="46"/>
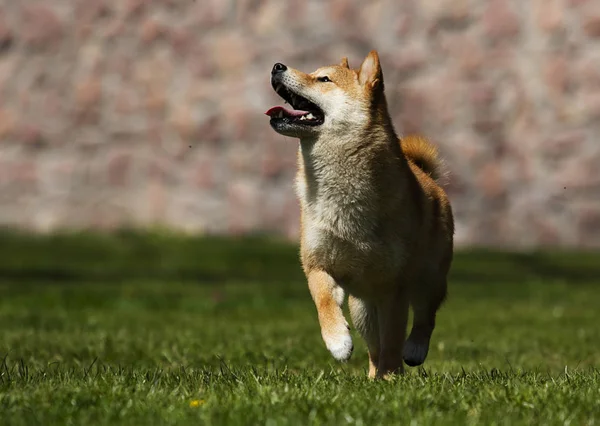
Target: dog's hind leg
<point x="364" y="318"/>
<point x="425" y="301"/>
<point x="328" y="297"/>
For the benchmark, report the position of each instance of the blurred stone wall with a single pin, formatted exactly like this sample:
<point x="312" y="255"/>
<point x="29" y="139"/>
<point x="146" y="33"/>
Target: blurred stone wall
<point x="150" y="112"/>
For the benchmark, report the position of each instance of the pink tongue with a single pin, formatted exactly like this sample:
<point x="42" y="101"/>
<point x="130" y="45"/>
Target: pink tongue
<point x="273" y="112"/>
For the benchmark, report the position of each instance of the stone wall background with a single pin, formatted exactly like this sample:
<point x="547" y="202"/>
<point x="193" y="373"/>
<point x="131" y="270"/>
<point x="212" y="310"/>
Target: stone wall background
<point x="150" y="112"/>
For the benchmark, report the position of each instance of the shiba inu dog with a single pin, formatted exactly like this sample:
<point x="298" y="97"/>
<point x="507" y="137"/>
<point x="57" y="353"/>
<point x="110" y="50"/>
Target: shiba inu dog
<point x="376" y="224"/>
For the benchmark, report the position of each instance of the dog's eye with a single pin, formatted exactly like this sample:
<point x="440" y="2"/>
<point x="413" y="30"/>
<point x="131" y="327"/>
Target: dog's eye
<point x="323" y="79"/>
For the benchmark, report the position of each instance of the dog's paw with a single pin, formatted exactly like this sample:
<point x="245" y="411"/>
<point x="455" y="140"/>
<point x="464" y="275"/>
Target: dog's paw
<point x="340" y="345"/>
<point x="413" y="353"/>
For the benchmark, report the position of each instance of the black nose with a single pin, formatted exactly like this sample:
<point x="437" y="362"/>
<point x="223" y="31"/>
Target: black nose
<point x="277" y="68"/>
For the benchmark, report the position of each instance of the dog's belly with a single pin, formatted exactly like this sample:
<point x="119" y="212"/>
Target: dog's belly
<point x="363" y="268"/>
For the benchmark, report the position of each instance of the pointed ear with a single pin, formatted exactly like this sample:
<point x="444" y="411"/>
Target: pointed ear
<point x="344" y="63"/>
<point x="370" y="71"/>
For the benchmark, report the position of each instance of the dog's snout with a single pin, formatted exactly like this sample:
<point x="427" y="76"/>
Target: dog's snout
<point x="278" y="68"/>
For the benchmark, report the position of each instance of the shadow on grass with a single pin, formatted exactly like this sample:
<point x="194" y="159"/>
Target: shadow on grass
<point x="485" y="266"/>
<point x="76" y="257"/>
<point x="125" y="254"/>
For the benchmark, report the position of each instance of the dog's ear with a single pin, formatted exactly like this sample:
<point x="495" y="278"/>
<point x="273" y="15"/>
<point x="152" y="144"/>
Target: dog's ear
<point x="344" y="63"/>
<point x="370" y="74"/>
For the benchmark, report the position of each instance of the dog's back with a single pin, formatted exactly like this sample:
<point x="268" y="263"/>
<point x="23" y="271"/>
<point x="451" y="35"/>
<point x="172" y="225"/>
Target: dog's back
<point x="438" y="222"/>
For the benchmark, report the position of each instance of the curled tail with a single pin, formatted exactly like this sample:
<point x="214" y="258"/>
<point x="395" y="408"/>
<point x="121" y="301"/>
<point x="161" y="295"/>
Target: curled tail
<point x="424" y="155"/>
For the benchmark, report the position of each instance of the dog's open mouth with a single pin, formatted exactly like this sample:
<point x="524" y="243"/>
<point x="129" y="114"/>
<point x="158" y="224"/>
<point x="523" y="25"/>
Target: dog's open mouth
<point x="304" y="112"/>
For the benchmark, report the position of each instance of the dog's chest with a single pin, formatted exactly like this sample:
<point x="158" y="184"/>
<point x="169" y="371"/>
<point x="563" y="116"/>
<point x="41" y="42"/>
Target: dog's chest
<point x="337" y="209"/>
<point x="343" y="212"/>
<point x="337" y="244"/>
<point x="340" y="226"/>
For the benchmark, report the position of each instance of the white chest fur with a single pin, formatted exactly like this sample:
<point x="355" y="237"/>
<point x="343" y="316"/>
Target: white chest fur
<point x="339" y="207"/>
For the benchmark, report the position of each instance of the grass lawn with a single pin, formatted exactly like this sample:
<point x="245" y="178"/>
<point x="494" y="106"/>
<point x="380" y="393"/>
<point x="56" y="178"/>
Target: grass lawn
<point x="159" y="329"/>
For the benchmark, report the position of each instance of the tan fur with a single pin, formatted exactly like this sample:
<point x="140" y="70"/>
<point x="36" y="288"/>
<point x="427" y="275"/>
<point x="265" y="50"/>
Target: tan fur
<point x="423" y="154"/>
<point x="375" y="223"/>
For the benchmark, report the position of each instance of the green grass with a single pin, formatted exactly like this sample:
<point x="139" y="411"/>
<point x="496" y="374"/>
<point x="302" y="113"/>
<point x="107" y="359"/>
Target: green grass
<point x="130" y="329"/>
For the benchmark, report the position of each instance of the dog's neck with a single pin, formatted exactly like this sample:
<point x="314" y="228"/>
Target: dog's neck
<point x="345" y="167"/>
<point x="356" y="146"/>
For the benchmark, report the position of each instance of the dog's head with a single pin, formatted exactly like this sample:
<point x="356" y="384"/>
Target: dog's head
<point x="327" y="100"/>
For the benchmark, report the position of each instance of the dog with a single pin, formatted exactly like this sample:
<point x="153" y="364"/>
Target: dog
<point x="375" y="222"/>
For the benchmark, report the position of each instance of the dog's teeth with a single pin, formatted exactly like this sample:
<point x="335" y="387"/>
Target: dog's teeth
<point x="280" y="115"/>
<point x="310" y="116"/>
<point x="303" y="118"/>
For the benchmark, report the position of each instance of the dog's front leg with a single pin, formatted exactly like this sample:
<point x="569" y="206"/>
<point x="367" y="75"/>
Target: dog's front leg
<point x="392" y="316"/>
<point x="328" y="297"/>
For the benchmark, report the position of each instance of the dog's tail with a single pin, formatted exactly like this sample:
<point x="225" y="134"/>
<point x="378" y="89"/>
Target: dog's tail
<point x="424" y="155"/>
